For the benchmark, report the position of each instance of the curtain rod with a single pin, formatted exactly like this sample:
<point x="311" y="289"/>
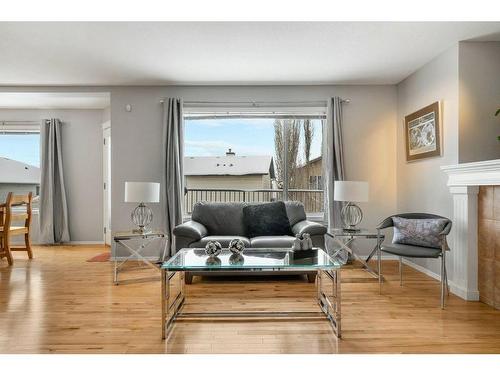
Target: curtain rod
<point x="257" y="104"/>
<point x="18" y="122"/>
<point x="22" y="122"/>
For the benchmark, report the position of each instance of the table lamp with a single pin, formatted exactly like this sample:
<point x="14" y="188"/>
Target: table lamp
<point x="351" y="191"/>
<point x="142" y="192"/>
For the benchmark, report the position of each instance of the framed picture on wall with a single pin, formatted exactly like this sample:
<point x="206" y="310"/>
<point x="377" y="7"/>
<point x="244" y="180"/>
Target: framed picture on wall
<point x="423" y="133"/>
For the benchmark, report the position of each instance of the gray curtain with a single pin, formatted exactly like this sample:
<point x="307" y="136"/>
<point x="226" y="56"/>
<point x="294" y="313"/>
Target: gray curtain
<point x="334" y="166"/>
<point x="53" y="207"/>
<point x="173" y="158"/>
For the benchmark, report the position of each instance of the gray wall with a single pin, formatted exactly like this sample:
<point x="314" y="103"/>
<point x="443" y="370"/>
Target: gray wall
<point x="479" y="97"/>
<point x="369" y="136"/>
<point x="82" y="153"/>
<point x="421" y="185"/>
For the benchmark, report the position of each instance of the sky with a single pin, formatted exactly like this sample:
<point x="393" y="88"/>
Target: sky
<point x="244" y="136"/>
<point x="21" y="147"/>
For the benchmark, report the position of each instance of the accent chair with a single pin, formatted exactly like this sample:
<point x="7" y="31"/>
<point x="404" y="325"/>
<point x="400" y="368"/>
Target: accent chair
<point x="412" y="250"/>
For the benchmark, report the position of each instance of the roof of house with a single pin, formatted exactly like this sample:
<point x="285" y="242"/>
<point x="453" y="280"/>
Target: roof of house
<point x="312" y="161"/>
<point x="228" y="165"/>
<point x="16" y="172"/>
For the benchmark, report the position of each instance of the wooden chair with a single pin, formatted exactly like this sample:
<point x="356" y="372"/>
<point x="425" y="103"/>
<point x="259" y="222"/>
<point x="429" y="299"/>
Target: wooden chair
<point x="7" y="230"/>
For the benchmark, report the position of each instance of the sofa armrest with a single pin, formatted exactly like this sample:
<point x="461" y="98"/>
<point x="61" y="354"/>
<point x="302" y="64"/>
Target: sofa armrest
<point x="306" y="226"/>
<point x="191" y="229"/>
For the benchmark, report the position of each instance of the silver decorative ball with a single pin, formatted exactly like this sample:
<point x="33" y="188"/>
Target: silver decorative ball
<point x="213" y="248"/>
<point x="213" y="261"/>
<point x="236" y="246"/>
<point x="236" y="259"/>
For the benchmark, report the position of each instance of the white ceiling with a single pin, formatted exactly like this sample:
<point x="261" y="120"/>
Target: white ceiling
<point x="147" y="53"/>
<point x="54" y="100"/>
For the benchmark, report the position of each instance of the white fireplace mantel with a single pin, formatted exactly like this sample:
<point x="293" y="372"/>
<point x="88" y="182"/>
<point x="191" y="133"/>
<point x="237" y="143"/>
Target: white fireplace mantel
<point x="473" y="174"/>
<point x="463" y="181"/>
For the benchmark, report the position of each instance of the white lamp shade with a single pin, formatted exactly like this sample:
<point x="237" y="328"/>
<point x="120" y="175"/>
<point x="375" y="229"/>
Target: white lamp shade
<point x="351" y="191"/>
<point x="142" y="192"/>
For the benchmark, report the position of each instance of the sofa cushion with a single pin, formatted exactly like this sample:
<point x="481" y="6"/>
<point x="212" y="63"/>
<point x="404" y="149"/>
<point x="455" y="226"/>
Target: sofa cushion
<point x="224" y="241"/>
<point x="266" y="219"/>
<point x="295" y="212"/>
<point x="418" y="232"/>
<point x="220" y="218"/>
<point x="271" y="241"/>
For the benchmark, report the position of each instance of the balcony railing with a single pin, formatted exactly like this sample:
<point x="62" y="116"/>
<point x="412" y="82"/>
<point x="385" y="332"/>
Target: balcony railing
<point x="313" y="200"/>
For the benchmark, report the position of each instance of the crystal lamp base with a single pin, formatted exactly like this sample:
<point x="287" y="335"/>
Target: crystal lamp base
<point x="351" y="216"/>
<point x="142" y="216"/>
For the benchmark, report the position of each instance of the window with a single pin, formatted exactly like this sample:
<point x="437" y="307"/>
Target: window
<point x="19" y="159"/>
<point x="316" y="182"/>
<point x="252" y="157"/>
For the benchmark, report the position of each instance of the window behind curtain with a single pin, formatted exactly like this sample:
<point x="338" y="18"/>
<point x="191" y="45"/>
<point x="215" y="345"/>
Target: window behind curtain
<point x="19" y="160"/>
<point x="247" y="158"/>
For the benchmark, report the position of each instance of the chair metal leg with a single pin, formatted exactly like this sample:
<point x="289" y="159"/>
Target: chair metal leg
<point x="400" y="271"/>
<point x="379" y="262"/>
<point x="446" y="279"/>
<point x="443" y="275"/>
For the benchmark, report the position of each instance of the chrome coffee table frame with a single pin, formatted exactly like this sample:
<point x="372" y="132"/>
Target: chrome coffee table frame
<point x="171" y="306"/>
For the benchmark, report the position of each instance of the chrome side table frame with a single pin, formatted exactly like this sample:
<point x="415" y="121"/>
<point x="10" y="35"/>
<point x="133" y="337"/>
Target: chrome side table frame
<point x="172" y="305"/>
<point x="136" y="253"/>
<point x="350" y="238"/>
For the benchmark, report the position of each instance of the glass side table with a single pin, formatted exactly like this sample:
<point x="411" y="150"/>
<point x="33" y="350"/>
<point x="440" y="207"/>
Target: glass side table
<point x="345" y="238"/>
<point x="136" y="253"/>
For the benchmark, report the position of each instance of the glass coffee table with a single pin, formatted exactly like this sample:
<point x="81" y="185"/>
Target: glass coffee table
<point x="188" y="260"/>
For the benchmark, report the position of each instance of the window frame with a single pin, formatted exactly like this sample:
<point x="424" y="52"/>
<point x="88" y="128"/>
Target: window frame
<point x="23" y="128"/>
<point x="284" y="110"/>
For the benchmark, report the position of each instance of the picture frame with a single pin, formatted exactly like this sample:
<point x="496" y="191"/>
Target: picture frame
<point x="423" y="133"/>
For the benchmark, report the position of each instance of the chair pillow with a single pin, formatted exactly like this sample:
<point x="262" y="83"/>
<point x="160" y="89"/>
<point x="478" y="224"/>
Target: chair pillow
<point x="418" y="232"/>
<point x="267" y="219"/>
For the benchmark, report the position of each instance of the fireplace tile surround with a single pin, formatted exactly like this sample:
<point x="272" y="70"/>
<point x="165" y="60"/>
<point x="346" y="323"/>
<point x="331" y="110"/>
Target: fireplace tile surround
<point x="488" y="245"/>
<point x="476" y="231"/>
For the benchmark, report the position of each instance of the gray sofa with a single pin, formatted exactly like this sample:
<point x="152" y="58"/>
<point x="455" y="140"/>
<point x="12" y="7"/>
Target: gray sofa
<point x="224" y="221"/>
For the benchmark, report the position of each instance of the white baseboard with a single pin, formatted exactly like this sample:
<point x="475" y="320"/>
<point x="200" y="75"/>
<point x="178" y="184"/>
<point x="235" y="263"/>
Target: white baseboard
<point x="467" y="295"/>
<point x="122" y="258"/>
<point x="67" y="243"/>
<point x="422" y="269"/>
<point x="86" y="243"/>
<point x="386" y="257"/>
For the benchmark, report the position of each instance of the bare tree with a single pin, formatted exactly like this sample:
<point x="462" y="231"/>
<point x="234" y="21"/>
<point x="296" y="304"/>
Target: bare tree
<point x="308" y="128"/>
<point x="291" y="130"/>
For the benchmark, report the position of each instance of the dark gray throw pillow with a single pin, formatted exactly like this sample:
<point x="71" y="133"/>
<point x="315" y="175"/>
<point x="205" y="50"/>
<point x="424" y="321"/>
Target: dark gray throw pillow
<point x="267" y="219"/>
<point x="419" y="232"/>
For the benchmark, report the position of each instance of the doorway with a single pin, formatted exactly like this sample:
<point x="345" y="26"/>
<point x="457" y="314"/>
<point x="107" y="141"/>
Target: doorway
<point x="106" y="168"/>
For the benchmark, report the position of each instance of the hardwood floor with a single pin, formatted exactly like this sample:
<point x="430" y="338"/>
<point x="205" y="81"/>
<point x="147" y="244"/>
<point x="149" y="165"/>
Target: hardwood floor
<point x="59" y="303"/>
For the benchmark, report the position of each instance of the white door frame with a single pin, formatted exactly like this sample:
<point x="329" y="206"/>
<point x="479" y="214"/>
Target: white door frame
<point x="106" y="178"/>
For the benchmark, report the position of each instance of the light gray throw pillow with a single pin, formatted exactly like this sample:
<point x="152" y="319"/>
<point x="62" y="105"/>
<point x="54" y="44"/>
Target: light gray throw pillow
<point x="418" y="232"/>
